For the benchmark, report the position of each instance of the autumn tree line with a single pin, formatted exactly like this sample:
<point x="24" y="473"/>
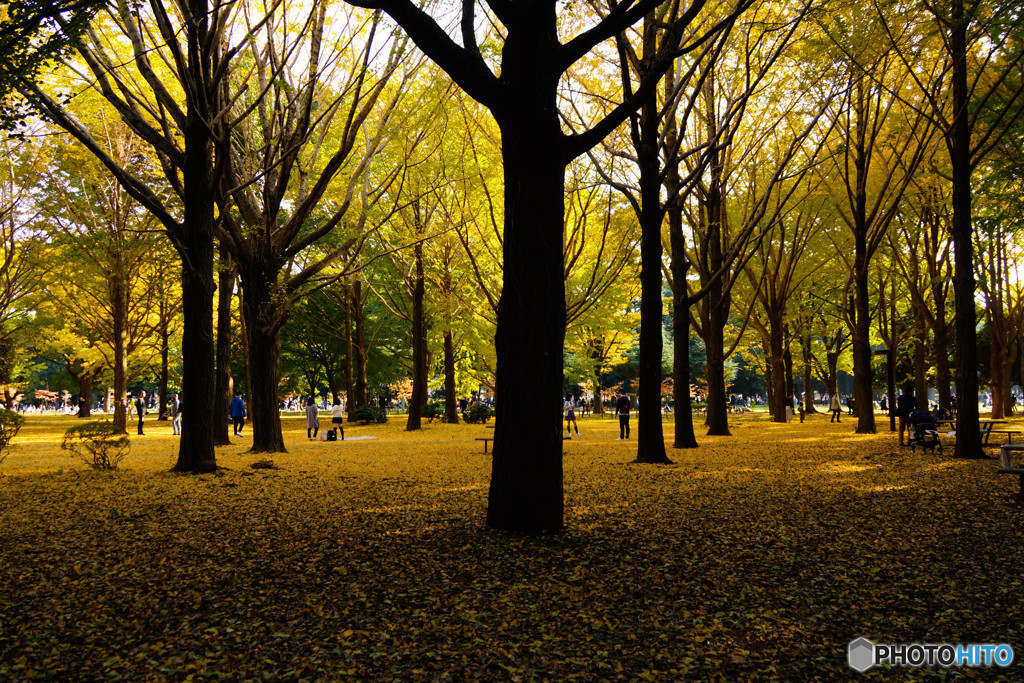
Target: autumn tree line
<point x="512" y="195"/>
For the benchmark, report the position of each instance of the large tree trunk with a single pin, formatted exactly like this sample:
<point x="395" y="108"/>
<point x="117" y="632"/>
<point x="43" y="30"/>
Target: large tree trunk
<point x="265" y="310"/>
<point x="526" y="475"/>
<point x="195" y="452"/>
<point x="650" y="434"/>
<point x="86" y="381"/>
<point x="718" y="299"/>
<point x="862" y="373"/>
<point x="419" y="346"/>
<point x="222" y="390"/>
<point x="968" y="431"/>
<point x="683" y="417"/>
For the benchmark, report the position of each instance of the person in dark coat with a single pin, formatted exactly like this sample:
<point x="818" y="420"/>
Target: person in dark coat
<point x="141" y="409"/>
<point x="906" y="403"/>
<point x="622" y="408"/>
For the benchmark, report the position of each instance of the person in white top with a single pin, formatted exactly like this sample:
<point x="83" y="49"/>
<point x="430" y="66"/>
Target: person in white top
<point x="338" y="418"/>
<point x="570" y="416"/>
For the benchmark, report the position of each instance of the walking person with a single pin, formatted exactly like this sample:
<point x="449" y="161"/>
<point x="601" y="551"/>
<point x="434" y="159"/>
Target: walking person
<point x="312" y="419"/>
<point x="237" y="410"/>
<point x="570" y="416"/>
<point x="140" y="409"/>
<point x="622" y="408"/>
<point x="906" y="403"/>
<point x="338" y="418"/>
<point x="175" y="415"/>
<point x="835" y="406"/>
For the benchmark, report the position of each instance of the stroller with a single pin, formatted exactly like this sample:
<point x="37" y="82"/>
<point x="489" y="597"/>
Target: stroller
<point x="923" y="432"/>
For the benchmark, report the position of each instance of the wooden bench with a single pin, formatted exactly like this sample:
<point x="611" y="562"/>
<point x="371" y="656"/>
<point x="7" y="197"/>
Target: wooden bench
<point x="1009" y="434"/>
<point x="1009" y="467"/>
<point x="485" y="439"/>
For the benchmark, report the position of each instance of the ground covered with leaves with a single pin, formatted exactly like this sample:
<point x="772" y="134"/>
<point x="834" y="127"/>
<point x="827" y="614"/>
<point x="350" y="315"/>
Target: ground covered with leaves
<point x="754" y="557"/>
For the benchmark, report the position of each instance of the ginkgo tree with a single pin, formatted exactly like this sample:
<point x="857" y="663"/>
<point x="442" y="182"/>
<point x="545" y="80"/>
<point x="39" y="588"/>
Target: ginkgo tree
<point x="105" y="251"/>
<point x="526" y="482"/>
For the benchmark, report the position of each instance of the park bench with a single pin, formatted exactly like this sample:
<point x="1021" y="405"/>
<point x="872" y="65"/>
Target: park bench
<point x="987" y="429"/>
<point x="1010" y="467"/>
<point x="1009" y="432"/>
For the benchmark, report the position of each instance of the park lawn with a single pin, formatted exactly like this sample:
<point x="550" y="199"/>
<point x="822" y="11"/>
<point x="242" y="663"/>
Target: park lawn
<point x="755" y="557"/>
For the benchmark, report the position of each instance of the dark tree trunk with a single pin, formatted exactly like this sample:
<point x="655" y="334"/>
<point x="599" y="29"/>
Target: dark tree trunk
<point x="223" y="389"/>
<point x="332" y="383"/>
<point x="597" y="399"/>
<point x="265" y="310"/>
<point x="788" y="364"/>
<point x="683" y="418"/>
<point x="86" y="381"/>
<point x="451" y="411"/>
<point x="968" y="431"/>
<point x="196" y="453"/>
<point x="718" y="299"/>
<point x="650" y="434"/>
<point x="419" y="346"/>
<point x="526" y="475"/>
<point x="862" y="373"/>
<point x="832" y="381"/>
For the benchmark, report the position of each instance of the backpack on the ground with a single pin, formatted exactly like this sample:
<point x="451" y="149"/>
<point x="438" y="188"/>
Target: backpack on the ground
<point x="332" y="435"/>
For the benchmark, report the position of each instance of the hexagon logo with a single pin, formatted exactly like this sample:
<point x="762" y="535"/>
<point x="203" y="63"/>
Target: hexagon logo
<point x="861" y="654"/>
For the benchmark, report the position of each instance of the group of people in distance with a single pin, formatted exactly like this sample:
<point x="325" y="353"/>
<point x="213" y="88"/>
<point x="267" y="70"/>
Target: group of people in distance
<point x="621" y="409"/>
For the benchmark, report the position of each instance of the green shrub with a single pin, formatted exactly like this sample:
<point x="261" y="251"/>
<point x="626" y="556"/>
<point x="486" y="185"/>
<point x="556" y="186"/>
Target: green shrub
<point x="478" y="414"/>
<point x="433" y="410"/>
<point x="97" y="444"/>
<point x="10" y="424"/>
<point x="368" y="414"/>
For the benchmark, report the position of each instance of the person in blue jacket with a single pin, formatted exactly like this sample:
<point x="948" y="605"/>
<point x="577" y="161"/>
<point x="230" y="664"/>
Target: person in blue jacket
<point x="238" y="413"/>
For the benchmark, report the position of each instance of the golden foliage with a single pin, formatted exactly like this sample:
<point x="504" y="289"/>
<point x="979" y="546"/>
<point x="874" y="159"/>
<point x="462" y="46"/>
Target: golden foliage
<point x="753" y="557"/>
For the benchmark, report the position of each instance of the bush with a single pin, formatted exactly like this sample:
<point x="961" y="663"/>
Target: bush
<point x="368" y="414"/>
<point x="433" y="410"/>
<point x="10" y="424"/>
<point x="97" y="443"/>
<point x="478" y="413"/>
